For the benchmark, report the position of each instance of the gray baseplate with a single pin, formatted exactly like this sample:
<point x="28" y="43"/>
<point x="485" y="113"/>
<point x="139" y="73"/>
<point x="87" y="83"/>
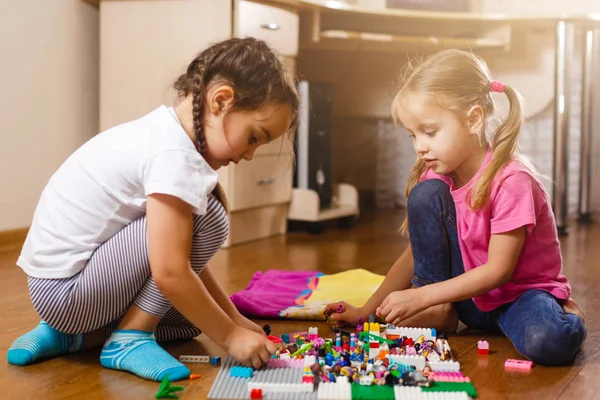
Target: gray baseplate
<point x="226" y="387"/>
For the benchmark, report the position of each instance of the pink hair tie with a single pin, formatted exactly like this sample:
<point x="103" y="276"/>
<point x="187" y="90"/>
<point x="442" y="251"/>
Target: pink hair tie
<point x="496" y="86"/>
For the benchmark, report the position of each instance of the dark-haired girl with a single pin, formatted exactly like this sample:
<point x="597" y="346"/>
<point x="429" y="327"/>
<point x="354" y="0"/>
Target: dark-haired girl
<point x="118" y="247"/>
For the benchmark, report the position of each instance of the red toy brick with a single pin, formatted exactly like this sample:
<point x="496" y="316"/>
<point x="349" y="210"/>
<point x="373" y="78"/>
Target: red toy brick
<point x="275" y="339"/>
<point x="483" y="347"/>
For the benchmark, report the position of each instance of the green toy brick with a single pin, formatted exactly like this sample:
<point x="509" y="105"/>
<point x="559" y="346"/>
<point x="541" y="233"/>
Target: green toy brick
<point x="452" y="387"/>
<point x="374" y="392"/>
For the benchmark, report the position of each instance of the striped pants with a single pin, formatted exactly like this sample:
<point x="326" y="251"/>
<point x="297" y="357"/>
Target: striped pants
<point x="118" y="275"/>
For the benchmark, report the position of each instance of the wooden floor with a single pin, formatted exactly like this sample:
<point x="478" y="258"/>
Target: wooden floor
<point x="374" y="245"/>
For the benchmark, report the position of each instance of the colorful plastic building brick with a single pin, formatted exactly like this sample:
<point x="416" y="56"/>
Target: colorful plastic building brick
<point x="444" y="349"/>
<point x="303" y="349"/>
<point x="417" y="361"/>
<point x="313" y="332"/>
<point x="452" y="387"/>
<point x="268" y="387"/>
<point x="452" y="366"/>
<point x="415" y="393"/>
<point x="166" y="390"/>
<point x="274" y="339"/>
<point x="321" y="372"/>
<point x="483" y="347"/>
<point x="241" y="372"/>
<point x="366" y="335"/>
<point x="282" y="363"/>
<point x="197" y="359"/>
<point x="449" y="376"/>
<point x="393" y="333"/>
<point x="215" y="360"/>
<point x="334" y="391"/>
<point x="303" y="334"/>
<point x="521" y="365"/>
<point x="373" y="392"/>
<point x="359" y="326"/>
<point x="227" y="387"/>
<point x="433" y="356"/>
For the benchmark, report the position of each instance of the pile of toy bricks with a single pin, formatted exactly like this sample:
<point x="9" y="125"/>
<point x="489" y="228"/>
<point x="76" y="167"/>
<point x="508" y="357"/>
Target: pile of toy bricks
<point x="377" y="362"/>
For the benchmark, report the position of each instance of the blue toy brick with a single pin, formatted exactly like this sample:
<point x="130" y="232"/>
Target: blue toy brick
<point x="331" y="377"/>
<point x="241" y="372"/>
<point x="285" y="337"/>
<point x="329" y="359"/>
<point x="215" y="360"/>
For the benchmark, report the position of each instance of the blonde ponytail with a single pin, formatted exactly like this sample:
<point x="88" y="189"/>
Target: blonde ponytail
<point x="504" y="146"/>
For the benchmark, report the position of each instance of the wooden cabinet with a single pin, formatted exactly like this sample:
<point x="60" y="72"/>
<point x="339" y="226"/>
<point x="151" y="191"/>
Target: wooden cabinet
<point x="263" y="181"/>
<point x="259" y="191"/>
<point x="276" y="26"/>
<point x="146" y="45"/>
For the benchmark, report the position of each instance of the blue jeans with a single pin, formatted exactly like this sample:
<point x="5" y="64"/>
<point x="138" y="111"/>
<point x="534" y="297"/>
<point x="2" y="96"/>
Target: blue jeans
<point x="535" y="322"/>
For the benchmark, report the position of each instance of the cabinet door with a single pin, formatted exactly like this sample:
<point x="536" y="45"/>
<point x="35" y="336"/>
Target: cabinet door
<point x="276" y="26"/>
<point x="263" y="181"/>
<point x="146" y="45"/>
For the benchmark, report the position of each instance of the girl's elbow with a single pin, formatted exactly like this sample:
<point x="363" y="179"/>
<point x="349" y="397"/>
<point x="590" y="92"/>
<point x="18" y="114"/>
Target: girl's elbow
<point x="498" y="274"/>
<point x="501" y="279"/>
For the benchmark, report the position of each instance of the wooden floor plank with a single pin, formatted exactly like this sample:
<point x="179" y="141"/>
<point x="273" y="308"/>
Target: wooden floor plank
<point x="585" y="372"/>
<point x="373" y="244"/>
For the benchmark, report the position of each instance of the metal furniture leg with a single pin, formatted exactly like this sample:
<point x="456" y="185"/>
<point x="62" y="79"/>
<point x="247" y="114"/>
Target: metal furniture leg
<point x="585" y="175"/>
<point x="561" y="127"/>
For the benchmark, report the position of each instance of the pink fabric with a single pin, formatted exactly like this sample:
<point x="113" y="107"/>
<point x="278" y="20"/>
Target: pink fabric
<point x="270" y="292"/>
<point x="517" y="199"/>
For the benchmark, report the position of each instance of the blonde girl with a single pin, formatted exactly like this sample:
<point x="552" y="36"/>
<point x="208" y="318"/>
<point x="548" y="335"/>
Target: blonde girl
<point x="483" y="241"/>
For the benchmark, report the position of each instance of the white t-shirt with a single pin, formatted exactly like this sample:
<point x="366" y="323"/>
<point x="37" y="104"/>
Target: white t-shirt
<point x="102" y="187"/>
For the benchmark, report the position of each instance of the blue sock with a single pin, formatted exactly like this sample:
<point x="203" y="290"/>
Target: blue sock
<point x="138" y="353"/>
<point x="42" y="342"/>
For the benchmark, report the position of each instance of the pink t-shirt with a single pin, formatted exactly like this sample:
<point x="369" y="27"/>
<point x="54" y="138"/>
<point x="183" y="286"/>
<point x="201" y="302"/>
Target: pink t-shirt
<point x="517" y="199"/>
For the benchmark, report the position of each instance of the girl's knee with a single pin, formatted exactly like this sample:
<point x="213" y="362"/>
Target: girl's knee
<point x="429" y="199"/>
<point x="424" y="192"/>
<point x="552" y="344"/>
<point x="427" y="189"/>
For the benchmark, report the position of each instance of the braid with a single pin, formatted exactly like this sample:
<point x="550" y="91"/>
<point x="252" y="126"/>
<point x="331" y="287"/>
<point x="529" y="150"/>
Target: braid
<point x="197" y="71"/>
<point x="198" y="92"/>
<point x="254" y="72"/>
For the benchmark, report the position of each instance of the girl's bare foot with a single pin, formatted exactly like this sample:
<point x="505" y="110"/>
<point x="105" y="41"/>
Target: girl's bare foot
<point x="570" y="307"/>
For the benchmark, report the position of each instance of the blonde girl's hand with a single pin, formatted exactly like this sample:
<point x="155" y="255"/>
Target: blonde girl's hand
<point x="250" y="348"/>
<point x="401" y="305"/>
<point x="342" y="313"/>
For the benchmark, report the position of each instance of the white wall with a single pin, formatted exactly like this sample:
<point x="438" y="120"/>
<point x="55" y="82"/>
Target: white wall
<point x="48" y="96"/>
